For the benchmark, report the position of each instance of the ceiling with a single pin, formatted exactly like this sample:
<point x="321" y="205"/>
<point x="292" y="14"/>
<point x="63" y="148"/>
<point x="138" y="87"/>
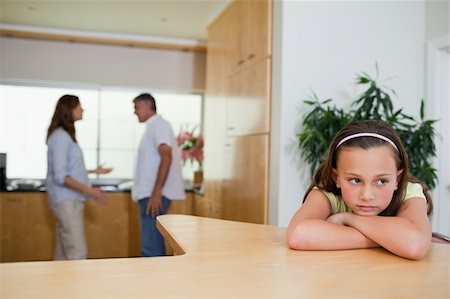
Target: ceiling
<point x="155" y="18"/>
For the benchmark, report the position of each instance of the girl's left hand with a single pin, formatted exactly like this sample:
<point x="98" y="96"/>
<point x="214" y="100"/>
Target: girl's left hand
<point x="338" y="218"/>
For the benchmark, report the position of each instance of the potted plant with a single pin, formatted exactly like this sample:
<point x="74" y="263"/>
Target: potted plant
<point x="323" y="121"/>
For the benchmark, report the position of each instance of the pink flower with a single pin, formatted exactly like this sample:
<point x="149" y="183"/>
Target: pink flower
<point x="191" y="146"/>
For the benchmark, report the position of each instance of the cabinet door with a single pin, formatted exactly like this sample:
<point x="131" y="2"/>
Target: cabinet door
<point x="248" y="102"/>
<point x="13" y="232"/>
<point x="27" y="227"/>
<point x="40" y="227"/>
<point x="107" y="227"/>
<point x="182" y="206"/>
<point x="249" y="25"/>
<point x="245" y="194"/>
<point x="257" y="22"/>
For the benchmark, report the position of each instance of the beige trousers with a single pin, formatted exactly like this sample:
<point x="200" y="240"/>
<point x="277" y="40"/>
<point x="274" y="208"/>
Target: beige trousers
<point x="70" y="240"/>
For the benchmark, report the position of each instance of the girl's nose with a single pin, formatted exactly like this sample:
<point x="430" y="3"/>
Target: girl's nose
<point x="367" y="193"/>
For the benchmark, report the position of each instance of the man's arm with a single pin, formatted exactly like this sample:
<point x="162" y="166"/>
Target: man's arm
<point x="154" y="205"/>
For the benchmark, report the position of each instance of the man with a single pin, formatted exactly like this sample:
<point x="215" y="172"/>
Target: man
<point x="157" y="175"/>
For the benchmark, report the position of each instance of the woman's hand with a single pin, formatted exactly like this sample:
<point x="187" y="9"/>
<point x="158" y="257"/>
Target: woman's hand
<point x="101" y="170"/>
<point x="99" y="196"/>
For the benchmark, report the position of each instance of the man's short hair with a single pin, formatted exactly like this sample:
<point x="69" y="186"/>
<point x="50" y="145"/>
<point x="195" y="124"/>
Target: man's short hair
<point x="147" y="98"/>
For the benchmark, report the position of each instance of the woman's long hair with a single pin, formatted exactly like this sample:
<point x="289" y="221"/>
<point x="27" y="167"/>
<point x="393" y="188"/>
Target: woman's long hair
<point x="323" y="178"/>
<point x="63" y="116"/>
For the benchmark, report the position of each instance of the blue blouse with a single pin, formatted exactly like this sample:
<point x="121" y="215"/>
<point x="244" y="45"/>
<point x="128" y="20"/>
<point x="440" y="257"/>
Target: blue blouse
<point x="64" y="158"/>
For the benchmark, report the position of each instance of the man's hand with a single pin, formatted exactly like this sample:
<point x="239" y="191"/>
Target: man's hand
<point x="154" y="205"/>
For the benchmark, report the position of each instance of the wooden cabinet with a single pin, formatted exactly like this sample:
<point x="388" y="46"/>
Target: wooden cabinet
<point x="205" y="207"/>
<point x="249" y="29"/>
<point x="26" y="228"/>
<point x="107" y="227"/>
<point x="246" y="183"/>
<point x="237" y="112"/>
<point x="248" y="100"/>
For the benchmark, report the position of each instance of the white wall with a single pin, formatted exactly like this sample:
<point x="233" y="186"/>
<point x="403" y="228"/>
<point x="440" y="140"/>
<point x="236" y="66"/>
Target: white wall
<point x="52" y="61"/>
<point x="321" y="46"/>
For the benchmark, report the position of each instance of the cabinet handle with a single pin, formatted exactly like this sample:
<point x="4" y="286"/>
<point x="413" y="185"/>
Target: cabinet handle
<point x="227" y="144"/>
<point x="250" y="56"/>
<point x="230" y="128"/>
<point x="241" y="61"/>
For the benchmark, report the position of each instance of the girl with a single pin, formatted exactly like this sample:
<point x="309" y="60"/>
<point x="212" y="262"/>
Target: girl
<point x="362" y="196"/>
<point x="67" y="180"/>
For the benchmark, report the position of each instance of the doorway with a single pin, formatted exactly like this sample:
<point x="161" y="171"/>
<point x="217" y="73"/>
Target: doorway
<point x="438" y="86"/>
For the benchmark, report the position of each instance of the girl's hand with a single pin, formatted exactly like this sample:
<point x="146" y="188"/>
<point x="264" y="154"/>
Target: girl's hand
<point x="338" y="218"/>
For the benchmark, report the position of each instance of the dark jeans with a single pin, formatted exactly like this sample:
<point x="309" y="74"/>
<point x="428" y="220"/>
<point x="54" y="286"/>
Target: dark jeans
<point x="152" y="242"/>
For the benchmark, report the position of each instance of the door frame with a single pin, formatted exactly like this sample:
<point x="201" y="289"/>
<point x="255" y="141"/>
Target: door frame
<point x="438" y="65"/>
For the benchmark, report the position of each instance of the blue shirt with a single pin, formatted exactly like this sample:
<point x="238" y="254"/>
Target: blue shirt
<point x="64" y="158"/>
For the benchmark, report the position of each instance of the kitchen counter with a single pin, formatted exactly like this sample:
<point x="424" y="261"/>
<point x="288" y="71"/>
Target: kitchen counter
<point x="225" y="259"/>
<point x="107" y="185"/>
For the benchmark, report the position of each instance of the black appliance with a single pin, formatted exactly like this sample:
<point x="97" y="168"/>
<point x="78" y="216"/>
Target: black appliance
<point x="2" y="172"/>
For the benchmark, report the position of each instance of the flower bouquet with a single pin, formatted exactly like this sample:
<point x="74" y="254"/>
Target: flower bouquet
<point x="191" y="146"/>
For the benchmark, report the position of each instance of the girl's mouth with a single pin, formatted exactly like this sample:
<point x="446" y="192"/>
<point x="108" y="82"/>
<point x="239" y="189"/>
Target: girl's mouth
<point x="367" y="208"/>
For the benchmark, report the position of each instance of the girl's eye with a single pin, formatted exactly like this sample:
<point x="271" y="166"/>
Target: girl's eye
<point x="382" y="182"/>
<point x="354" y="181"/>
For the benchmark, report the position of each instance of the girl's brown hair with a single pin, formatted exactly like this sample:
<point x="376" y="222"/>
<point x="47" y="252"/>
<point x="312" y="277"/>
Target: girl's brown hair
<point x="324" y="180"/>
<point x="63" y="116"/>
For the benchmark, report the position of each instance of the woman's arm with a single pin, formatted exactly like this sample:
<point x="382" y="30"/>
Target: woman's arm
<point x="97" y="194"/>
<point x="408" y="234"/>
<point x="100" y="170"/>
<point x="310" y="230"/>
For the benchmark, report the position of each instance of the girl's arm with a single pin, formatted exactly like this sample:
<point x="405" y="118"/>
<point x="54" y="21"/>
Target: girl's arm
<point x="408" y="234"/>
<point x="310" y="230"/>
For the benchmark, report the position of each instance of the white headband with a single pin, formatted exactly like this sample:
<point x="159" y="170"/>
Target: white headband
<point x="364" y="135"/>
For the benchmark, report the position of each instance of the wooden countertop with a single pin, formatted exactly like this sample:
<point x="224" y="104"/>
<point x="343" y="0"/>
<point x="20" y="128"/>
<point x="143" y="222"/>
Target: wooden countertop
<point x="225" y="259"/>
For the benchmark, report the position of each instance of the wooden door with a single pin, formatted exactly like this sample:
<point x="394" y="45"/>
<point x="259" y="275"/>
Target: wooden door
<point x="246" y="187"/>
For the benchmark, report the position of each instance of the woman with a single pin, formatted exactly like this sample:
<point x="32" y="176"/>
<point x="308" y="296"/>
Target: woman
<point x="67" y="180"/>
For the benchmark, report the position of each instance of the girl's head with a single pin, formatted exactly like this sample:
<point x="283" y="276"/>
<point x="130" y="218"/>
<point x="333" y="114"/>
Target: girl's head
<point x="368" y="165"/>
<point x="67" y="111"/>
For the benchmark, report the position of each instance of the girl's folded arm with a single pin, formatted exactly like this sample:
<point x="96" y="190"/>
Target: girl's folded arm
<point x="408" y="234"/>
<point x="309" y="229"/>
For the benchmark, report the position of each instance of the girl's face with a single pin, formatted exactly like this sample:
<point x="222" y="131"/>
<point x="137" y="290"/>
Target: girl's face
<point x="77" y="113"/>
<point x="367" y="178"/>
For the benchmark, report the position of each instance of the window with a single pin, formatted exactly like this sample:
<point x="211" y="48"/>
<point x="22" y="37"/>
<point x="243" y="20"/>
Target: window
<point x="108" y="134"/>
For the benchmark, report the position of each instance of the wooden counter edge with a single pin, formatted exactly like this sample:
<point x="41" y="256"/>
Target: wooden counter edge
<point x="171" y="240"/>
